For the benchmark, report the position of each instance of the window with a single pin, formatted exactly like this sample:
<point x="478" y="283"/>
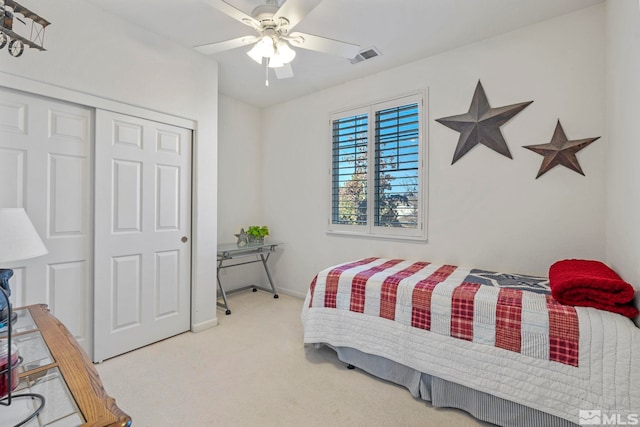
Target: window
<point x="377" y="185"/>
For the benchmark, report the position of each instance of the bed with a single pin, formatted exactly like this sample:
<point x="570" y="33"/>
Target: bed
<point x="496" y="345"/>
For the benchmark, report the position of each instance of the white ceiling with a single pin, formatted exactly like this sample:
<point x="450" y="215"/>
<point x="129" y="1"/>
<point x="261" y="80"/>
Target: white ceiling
<point x="403" y="30"/>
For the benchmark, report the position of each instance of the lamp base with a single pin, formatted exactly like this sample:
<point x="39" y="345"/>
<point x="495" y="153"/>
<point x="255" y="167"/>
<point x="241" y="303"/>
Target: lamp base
<point x="5" y="275"/>
<point x="4" y="317"/>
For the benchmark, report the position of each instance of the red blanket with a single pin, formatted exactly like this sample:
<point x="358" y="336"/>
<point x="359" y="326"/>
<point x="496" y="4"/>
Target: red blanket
<point x="589" y="283"/>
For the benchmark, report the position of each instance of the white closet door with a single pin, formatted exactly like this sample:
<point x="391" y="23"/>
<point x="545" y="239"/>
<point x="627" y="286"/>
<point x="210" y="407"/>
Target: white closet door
<point x="45" y="161"/>
<point x="142" y="233"/>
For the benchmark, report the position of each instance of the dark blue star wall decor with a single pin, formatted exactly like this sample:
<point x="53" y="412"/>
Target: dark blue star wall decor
<point x="481" y="125"/>
<point x="560" y="151"/>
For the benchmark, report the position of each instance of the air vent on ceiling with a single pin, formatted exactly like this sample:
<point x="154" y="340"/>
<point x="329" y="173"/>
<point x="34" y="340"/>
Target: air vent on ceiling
<point x="366" y="54"/>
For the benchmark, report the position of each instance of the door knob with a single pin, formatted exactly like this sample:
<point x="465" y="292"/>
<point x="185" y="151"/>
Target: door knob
<point x="184" y="239"/>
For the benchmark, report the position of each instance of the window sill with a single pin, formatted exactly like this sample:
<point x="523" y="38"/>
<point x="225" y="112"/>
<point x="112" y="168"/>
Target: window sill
<point x="396" y="238"/>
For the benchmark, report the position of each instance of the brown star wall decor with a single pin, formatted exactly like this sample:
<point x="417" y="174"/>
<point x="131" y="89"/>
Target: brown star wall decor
<point x="481" y="124"/>
<point x="560" y="151"/>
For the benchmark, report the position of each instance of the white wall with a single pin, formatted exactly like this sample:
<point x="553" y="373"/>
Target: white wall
<point x="92" y="52"/>
<point x="240" y="177"/>
<point x="486" y="210"/>
<point x="239" y="167"/>
<point x="623" y="133"/>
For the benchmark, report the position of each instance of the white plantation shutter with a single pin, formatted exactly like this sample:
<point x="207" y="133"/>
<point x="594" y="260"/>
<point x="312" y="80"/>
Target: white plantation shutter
<point x="350" y="170"/>
<point x="397" y="149"/>
<point x="377" y="175"/>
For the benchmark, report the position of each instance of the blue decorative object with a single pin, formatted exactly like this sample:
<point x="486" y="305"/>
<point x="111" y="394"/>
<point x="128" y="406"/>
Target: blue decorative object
<point x="5" y="275"/>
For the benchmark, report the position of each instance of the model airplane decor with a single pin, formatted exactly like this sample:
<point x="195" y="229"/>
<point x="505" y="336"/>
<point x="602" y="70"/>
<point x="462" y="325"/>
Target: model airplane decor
<point x="9" y="11"/>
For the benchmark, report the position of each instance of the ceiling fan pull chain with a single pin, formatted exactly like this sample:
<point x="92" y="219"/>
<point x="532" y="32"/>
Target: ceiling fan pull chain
<point x="266" y="72"/>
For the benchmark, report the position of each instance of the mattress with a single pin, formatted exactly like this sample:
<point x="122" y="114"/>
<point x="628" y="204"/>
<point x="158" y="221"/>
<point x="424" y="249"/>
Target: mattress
<point x="370" y="305"/>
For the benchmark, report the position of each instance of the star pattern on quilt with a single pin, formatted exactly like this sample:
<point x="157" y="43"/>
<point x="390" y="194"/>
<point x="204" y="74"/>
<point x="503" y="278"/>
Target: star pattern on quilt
<point x="560" y="151"/>
<point x="535" y="284"/>
<point x="481" y="124"/>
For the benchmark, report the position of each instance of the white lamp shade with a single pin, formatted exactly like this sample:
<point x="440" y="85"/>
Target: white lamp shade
<point x="284" y="54"/>
<point x="18" y="237"/>
<point x="264" y="48"/>
<point x="255" y="54"/>
<point x="275" y="61"/>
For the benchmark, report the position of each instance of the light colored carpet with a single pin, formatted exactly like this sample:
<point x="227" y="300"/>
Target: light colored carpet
<point x="253" y="370"/>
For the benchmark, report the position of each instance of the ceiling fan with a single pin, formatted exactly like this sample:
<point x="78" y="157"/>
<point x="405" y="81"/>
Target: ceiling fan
<point x="273" y="24"/>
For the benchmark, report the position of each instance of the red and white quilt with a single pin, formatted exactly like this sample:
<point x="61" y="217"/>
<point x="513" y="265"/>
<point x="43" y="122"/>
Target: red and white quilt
<point x="496" y="332"/>
<point x="449" y="300"/>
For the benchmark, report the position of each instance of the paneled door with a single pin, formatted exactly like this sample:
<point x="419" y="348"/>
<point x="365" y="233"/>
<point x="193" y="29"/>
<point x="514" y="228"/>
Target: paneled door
<point x="142" y="233"/>
<point x="45" y="168"/>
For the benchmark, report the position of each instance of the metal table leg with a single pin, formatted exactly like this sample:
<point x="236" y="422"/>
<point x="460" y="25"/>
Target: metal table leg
<point x="224" y="294"/>
<point x="266" y="269"/>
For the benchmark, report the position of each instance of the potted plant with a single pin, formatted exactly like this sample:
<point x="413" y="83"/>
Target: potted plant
<point x="257" y="233"/>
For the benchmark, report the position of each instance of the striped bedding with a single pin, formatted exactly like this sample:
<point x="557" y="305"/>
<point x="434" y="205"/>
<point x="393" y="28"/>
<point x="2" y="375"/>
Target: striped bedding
<point x="495" y="332"/>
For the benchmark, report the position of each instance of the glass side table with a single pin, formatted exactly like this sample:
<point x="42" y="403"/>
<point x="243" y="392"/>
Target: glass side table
<point x="260" y="252"/>
<point x="55" y="366"/>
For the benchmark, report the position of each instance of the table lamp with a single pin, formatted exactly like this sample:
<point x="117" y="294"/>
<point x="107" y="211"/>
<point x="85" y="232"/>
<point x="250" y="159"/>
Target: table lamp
<point x="19" y="240"/>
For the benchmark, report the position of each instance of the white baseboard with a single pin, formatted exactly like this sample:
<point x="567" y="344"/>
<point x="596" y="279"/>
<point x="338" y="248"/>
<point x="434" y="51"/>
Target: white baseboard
<point x="199" y="327"/>
<point x="292" y="293"/>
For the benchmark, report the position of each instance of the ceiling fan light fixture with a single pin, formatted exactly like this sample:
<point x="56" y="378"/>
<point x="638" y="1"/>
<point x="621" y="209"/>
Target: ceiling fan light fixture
<point x="284" y="54"/>
<point x="263" y="49"/>
<point x="275" y="62"/>
<point x="255" y="55"/>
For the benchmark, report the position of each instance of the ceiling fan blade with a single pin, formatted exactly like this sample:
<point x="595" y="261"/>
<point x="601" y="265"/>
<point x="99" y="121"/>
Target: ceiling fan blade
<point x="323" y="44"/>
<point x="211" y="48"/>
<point x="233" y="12"/>
<point x="295" y="10"/>
<point x="284" y="72"/>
